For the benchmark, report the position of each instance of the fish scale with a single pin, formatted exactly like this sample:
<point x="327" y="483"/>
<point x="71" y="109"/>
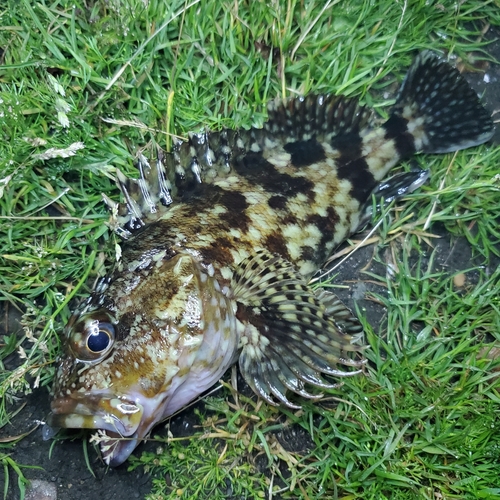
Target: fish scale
<point x="221" y="237"/>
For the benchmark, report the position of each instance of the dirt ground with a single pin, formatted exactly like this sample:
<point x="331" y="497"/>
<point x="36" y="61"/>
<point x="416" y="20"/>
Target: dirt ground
<point x="62" y="466"/>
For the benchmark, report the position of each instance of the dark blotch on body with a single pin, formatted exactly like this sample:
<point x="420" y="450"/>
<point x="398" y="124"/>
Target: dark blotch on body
<point x="206" y="196"/>
<point x="232" y="200"/>
<point x="352" y="166"/>
<point x="326" y="225"/>
<point x="154" y="237"/>
<point x="183" y="185"/>
<point x="349" y="146"/>
<point x="236" y="204"/>
<point x="308" y="253"/>
<point x="276" y="243"/>
<point x="305" y="153"/>
<point x="360" y="177"/>
<point x="248" y="315"/>
<point x="122" y="330"/>
<point x="277" y="202"/>
<point x="396" y="129"/>
<point x="288" y="219"/>
<point x="218" y="252"/>
<point x="258" y="170"/>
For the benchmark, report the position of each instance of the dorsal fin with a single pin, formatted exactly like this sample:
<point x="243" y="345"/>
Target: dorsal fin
<point x="207" y="156"/>
<point x="320" y="116"/>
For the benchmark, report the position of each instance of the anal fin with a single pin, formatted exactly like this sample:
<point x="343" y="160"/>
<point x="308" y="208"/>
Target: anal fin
<point x="292" y="335"/>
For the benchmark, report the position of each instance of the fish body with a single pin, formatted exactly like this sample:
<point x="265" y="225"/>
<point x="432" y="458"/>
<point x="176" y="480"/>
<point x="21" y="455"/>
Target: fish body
<point x="221" y="239"/>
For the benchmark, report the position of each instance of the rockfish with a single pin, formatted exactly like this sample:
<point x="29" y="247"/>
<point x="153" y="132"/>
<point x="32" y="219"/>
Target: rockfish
<point x="221" y="237"/>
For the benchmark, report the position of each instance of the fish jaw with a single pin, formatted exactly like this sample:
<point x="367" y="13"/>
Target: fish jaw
<point x="120" y="420"/>
<point x="107" y="412"/>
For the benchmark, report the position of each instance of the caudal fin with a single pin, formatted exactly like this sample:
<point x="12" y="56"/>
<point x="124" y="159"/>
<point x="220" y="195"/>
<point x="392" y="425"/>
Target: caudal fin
<point x="442" y="112"/>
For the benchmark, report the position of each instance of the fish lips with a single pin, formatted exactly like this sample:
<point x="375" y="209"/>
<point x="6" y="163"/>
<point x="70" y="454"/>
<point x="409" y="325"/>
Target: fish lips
<point x="119" y="418"/>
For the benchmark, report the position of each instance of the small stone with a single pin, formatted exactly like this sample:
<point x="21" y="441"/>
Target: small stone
<point x="359" y="291"/>
<point x="459" y="280"/>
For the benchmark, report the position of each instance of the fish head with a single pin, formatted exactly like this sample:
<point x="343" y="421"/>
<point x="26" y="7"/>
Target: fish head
<point x="143" y="349"/>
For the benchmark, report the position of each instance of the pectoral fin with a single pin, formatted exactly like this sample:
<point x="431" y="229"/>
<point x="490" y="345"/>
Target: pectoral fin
<point x="291" y="334"/>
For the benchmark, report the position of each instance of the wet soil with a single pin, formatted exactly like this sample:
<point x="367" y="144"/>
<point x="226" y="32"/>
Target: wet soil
<point x="63" y="465"/>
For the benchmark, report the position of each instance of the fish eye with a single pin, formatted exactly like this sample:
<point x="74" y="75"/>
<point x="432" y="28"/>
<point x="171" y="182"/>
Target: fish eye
<point x="91" y="336"/>
<point x="100" y="337"/>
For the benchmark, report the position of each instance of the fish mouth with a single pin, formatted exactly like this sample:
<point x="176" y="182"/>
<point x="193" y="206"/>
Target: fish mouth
<point x="119" y="420"/>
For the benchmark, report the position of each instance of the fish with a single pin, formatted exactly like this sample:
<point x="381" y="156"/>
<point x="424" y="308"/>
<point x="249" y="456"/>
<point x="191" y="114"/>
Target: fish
<point x="221" y="237"/>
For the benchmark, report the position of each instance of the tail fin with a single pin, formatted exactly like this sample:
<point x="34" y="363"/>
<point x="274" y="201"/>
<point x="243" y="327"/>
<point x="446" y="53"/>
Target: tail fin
<point x="443" y="113"/>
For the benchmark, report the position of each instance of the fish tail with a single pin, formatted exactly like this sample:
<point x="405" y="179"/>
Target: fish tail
<point x="436" y="111"/>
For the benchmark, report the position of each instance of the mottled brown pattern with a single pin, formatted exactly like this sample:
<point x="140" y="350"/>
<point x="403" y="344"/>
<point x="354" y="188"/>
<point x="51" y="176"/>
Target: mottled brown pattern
<point x="326" y="224"/>
<point x="201" y="198"/>
<point x="155" y="235"/>
<point x="126" y="319"/>
<point x="248" y="315"/>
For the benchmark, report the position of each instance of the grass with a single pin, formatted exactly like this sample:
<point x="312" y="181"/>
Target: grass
<point x="120" y="77"/>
